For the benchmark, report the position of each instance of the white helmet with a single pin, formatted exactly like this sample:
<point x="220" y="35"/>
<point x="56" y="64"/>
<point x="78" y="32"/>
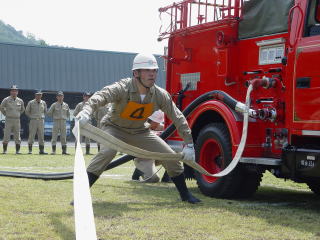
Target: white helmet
<point x="144" y="61"/>
<point x="157" y="116"/>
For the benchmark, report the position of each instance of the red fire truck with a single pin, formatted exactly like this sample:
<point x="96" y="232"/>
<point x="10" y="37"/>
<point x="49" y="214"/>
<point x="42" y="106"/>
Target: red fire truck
<point x="227" y="45"/>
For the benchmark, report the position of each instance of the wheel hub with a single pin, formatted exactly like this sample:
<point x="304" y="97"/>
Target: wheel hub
<point x="211" y="158"/>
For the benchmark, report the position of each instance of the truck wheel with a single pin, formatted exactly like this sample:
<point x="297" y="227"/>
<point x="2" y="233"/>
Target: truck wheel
<point x="213" y="152"/>
<point x="251" y="179"/>
<point x="314" y="185"/>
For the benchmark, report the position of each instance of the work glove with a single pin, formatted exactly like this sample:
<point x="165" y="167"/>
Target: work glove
<point x="83" y="117"/>
<point x="188" y="152"/>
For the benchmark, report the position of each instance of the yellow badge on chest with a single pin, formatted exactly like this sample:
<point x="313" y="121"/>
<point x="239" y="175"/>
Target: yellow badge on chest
<point x="136" y="111"/>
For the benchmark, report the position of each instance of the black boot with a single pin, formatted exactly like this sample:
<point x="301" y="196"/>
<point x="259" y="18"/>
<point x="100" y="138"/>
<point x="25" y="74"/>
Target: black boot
<point x="30" y="149"/>
<point x="17" y="148"/>
<point x="64" y="150"/>
<point x="137" y="174"/>
<point x="5" y="147"/>
<point x="165" y="178"/>
<point x="92" y="178"/>
<point x="41" y="150"/>
<point x="54" y="148"/>
<point x="185" y="195"/>
<point x="88" y="149"/>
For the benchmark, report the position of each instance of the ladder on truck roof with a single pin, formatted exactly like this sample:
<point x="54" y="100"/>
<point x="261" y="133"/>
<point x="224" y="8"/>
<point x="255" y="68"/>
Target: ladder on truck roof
<point x="190" y="13"/>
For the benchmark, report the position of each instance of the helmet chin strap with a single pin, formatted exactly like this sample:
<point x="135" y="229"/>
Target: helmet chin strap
<point x="139" y="79"/>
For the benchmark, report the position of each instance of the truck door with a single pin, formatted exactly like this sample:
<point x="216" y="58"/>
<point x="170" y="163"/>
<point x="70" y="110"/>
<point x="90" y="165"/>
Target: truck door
<point x="306" y="75"/>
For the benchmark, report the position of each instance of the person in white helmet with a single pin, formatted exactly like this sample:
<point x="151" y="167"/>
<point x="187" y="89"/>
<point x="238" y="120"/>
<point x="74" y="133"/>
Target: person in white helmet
<point x="145" y="168"/>
<point x="133" y="100"/>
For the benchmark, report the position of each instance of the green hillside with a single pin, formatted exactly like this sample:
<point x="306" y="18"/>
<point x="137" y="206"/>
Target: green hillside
<point x="10" y="34"/>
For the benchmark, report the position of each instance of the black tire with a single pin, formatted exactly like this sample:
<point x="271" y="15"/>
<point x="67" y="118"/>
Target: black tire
<point x="251" y="179"/>
<point x="314" y="186"/>
<point x="224" y="187"/>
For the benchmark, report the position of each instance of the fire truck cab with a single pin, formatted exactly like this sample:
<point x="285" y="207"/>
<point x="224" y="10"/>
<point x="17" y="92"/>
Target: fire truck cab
<point x="224" y="45"/>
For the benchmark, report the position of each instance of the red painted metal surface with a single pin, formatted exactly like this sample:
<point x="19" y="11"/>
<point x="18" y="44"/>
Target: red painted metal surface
<point x="211" y="159"/>
<point x="225" y="112"/>
<point x="206" y="49"/>
<point x="304" y="110"/>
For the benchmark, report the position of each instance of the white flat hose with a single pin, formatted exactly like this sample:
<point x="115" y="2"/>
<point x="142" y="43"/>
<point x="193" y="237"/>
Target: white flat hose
<point x="83" y="212"/>
<point x="243" y="140"/>
<point x="108" y="140"/>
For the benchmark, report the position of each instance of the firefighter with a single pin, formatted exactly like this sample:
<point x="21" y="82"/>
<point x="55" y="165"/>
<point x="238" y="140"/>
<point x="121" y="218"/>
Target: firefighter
<point x="133" y="101"/>
<point x="12" y="107"/>
<point x="36" y="110"/>
<point x="60" y="113"/>
<point x="145" y="168"/>
<point x="78" y="108"/>
<point x="99" y="114"/>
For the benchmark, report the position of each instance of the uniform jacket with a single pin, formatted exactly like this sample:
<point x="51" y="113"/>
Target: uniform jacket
<point x="78" y="108"/>
<point x="101" y="112"/>
<point x="36" y="110"/>
<point x="59" y="111"/>
<point x="132" y="119"/>
<point x="12" y="108"/>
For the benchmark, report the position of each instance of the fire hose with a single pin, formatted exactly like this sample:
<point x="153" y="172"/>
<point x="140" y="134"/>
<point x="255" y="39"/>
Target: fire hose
<point x="107" y="139"/>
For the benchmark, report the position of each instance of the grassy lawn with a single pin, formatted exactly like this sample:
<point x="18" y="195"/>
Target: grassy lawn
<point x="36" y="209"/>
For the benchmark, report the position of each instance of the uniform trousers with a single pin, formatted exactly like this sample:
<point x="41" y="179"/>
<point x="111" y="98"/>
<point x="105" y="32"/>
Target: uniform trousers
<point x="12" y="125"/>
<point x="36" y="126"/>
<point x="59" y="126"/>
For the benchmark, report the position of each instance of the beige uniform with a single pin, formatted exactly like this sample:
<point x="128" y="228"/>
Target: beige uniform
<point x="36" y="111"/>
<point x="147" y="166"/>
<point x="127" y="121"/>
<point x="12" y="109"/>
<point x="78" y="109"/>
<point x="100" y="113"/>
<point x="60" y="113"/>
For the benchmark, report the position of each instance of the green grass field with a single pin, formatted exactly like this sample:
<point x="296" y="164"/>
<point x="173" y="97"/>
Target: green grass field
<point x="36" y="209"/>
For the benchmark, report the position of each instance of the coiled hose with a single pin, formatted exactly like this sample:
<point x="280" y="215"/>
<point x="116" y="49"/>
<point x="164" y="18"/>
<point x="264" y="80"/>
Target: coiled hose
<point x="212" y="95"/>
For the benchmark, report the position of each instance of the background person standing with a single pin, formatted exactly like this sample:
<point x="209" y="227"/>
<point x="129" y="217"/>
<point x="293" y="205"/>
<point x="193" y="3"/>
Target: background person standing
<point x="36" y="110"/>
<point x="60" y="113"/>
<point x="78" y="109"/>
<point x="12" y="107"/>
